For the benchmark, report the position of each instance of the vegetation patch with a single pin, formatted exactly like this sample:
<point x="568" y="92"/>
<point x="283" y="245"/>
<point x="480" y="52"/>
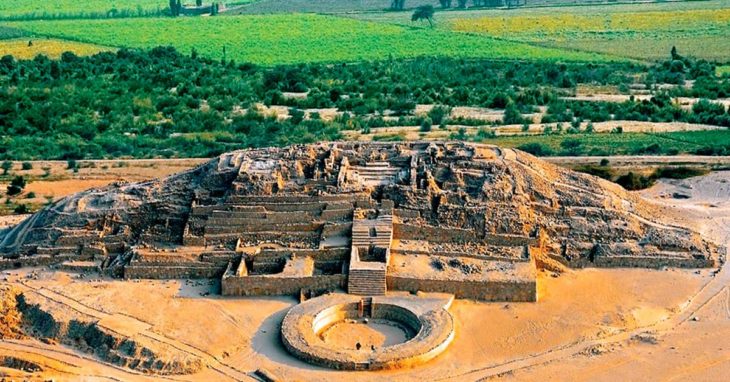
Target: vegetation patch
<point x="723" y="70"/>
<point x="160" y="103"/>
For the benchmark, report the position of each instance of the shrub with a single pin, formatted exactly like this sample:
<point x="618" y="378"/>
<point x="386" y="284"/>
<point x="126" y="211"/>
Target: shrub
<point x="16" y="186"/>
<point x="512" y="115"/>
<point x="6" y="166"/>
<point x="21" y="209"/>
<point x="297" y="116"/>
<point x="571" y="147"/>
<point x="484" y="133"/>
<point x="679" y="172"/>
<point x="537" y="149"/>
<point x="599" y="171"/>
<point x="27" y="166"/>
<point x="438" y="114"/>
<point x="426" y="125"/>
<point x="632" y="181"/>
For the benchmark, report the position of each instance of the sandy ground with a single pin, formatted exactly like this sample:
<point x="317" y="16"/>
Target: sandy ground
<point x="372" y="334"/>
<point x="414" y="132"/>
<point x="52" y="180"/>
<point x="592" y="324"/>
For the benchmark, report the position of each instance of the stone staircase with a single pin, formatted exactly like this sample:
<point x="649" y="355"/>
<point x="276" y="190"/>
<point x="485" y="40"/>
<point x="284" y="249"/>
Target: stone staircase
<point x="366" y="282"/>
<point x="375" y="173"/>
<point x="366" y="277"/>
<point x="377" y="232"/>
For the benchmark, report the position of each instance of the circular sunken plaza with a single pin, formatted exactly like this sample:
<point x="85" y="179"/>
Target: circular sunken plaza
<point x="422" y="323"/>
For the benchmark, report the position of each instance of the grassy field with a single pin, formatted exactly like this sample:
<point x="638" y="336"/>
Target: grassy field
<point x="282" y="39"/>
<point x="20" y="49"/>
<point x="324" y="6"/>
<point x="624" y="144"/>
<point x="646" y="31"/>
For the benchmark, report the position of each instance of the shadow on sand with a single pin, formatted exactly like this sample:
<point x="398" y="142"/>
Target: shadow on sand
<point x="267" y="342"/>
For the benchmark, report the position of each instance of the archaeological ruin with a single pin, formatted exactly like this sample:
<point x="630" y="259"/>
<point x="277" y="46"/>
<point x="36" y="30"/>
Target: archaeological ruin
<point x="436" y="220"/>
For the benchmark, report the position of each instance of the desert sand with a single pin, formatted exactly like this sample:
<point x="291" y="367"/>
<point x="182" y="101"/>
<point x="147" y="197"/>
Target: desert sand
<point x="590" y="324"/>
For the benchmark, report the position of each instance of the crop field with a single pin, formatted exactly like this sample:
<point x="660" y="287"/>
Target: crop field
<point x="647" y="31"/>
<point x="324" y="6"/>
<point x="8" y="33"/>
<point x="21" y="49"/>
<point x="21" y="9"/>
<point x="284" y="39"/>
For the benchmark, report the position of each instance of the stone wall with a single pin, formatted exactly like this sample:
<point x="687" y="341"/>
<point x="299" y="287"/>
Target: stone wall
<point x="303" y="324"/>
<point x="180" y="271"/>
<point x="29" y="261"/>
<point x="271" y="285"/>
<point x="649" y="262"/>
<point x="432" y="234"/>
<point x="524" y="291"/>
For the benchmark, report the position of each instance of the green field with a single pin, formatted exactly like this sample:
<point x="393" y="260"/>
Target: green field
<point x="283" y="39"/>
<point x="13" y="9"/>
<point x="324" y="6"/>
<point x="10" y="33"/>
<point x="647" y="31"/>
<point x="625" y="144"/>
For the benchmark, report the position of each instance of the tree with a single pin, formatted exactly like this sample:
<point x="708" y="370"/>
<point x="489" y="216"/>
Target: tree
<point x="174" y="10"/>
<point x="426" y="125"/>
<point x="512" y="115"/>
<point x="675" y="55"/>
<point x="397" y="5"/>
<point x="198" y="3"/>
<point x="424" y="12"/>
<point x="445" y="3"/>
<point x="438" y="114"/>
<point x="16" y="186"/>
<point x="6" y="166"/>
<point x="21" y="209"/>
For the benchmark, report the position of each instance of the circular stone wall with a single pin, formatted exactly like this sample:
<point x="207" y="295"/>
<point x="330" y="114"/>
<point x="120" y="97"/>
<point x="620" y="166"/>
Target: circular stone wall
<point x="428" y="334"/>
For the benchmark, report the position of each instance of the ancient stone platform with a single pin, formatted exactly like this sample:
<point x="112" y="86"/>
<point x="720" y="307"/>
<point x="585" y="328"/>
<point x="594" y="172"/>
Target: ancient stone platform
<point x="471" y="220"/>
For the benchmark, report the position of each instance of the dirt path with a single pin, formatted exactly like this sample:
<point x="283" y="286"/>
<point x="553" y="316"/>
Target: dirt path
<point x="127" y="326"/>
<point x="718" y="286"/>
